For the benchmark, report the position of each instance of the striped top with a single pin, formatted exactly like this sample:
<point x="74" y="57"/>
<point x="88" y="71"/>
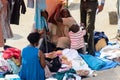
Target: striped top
<point x="77" y="39"/>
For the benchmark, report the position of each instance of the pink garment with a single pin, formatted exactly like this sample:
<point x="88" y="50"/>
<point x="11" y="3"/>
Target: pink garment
<point x="77" y="39"/>
<point x="12" y="52"/>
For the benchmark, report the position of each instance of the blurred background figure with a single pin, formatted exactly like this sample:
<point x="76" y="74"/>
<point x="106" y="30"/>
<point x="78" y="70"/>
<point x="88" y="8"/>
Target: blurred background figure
<point x="118" y="13"/>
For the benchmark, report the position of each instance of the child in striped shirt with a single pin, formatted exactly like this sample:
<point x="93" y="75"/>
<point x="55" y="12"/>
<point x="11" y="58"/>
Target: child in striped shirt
<point x="76" y="35"/>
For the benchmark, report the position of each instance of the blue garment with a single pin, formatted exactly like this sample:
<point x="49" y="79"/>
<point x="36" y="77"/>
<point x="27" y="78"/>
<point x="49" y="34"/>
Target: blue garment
<point x="100" y="35"/>
<point x="40" y="22"/>
<point x="31" y="68"/>
<point x="109" y="64"/>
<point x="93" y="62"/>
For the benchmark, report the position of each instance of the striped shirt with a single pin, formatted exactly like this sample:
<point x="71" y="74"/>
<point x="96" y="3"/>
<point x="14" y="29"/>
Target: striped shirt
<point x="77" y="39"/>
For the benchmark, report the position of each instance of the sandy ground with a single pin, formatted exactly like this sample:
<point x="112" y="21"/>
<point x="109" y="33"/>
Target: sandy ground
<point x="26" y="21"/>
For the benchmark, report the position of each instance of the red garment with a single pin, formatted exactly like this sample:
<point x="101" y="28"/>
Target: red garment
<point x="11" y="52"/>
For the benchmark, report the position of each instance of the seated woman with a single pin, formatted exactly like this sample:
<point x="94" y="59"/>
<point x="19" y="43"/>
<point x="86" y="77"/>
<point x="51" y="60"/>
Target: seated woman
<point x="59" y="24"/>
<point x="64" y="20"/>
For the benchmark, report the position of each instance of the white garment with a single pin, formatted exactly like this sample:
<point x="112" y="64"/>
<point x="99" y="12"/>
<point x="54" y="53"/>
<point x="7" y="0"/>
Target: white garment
<point x="77" y="62"/>
<point x="110" y="51"/>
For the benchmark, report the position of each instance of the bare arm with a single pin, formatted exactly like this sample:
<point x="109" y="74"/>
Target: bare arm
<point x="42" y="59"/>
<point x="100" y="7"/>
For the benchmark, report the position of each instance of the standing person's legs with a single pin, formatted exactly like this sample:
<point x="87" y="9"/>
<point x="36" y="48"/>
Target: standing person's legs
<point x="91" y="13"/>
<point x="83" y="16"/>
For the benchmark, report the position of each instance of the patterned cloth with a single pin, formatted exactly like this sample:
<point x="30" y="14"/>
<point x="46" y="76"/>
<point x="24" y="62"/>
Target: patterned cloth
<point x="77" y="39"/>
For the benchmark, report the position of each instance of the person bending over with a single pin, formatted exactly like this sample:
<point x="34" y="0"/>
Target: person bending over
<point x="32" y="59"/>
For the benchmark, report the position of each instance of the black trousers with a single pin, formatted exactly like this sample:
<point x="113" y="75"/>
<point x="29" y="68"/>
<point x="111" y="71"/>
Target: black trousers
<point x="88" y="13"/>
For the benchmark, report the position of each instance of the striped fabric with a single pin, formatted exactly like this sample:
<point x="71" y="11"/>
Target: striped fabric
<point x="77" y="39"/>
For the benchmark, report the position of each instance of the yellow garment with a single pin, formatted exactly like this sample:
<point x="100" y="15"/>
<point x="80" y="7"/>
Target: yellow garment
<point x="100" y="44"/>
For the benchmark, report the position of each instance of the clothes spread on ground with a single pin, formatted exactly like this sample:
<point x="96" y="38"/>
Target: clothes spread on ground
<point x="110" y="51"/>
<point x="77" y="62"/>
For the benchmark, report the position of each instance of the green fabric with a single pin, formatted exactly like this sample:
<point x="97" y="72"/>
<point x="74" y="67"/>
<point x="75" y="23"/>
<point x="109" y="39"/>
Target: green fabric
<point x="60" y="75"/>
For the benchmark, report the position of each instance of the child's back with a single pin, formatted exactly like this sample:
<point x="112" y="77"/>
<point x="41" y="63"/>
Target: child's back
<point x="76" y="37"/>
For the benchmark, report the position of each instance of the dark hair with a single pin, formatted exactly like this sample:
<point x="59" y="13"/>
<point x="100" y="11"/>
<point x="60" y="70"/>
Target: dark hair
<point x="63" y="11"/>
<point x="45" y="14"/>
<point x="33" y="37"/>
<point x="74" y="28"/>
<point x="51" y="18"/>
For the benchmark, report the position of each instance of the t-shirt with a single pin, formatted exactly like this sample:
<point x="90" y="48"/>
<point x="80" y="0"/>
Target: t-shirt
<point x="77" y="39"/>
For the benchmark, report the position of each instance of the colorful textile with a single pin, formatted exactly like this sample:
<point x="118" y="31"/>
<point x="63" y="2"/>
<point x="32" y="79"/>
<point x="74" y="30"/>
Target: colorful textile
<point x="11" y="52"/>
<point x="93" y="62"/>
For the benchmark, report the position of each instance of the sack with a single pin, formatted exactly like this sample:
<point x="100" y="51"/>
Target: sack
<point x="53" y="64"/>
<point x="100" y="44"/>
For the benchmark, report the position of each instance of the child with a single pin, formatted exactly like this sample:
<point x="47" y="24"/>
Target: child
<point x="33" y="60"/>
<point x="76" y="38"/>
